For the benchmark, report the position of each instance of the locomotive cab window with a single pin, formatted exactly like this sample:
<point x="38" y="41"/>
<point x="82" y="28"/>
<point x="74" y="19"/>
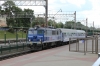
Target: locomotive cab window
<point x="32" y="32"/>
<point x="53" y="32"/>
<point x="40" y="31"/>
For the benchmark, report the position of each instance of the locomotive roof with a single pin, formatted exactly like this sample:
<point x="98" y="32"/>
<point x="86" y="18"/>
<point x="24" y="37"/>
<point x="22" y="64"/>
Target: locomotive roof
<point x="42" y="28"/>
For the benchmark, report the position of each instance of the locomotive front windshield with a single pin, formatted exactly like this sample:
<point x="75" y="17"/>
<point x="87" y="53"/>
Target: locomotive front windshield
<point x="40" y="32"/>
<point x="35" y="32"/>
<point x="32" y="32"/>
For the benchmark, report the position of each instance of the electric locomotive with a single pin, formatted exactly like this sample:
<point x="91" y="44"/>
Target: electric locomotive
<point x="42" y="37"/>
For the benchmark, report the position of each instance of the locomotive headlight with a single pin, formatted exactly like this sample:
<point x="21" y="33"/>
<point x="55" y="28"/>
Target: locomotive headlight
<point x="29" y="40"/>
<point x="35" y="28"/>
<point x="40" y="39"/>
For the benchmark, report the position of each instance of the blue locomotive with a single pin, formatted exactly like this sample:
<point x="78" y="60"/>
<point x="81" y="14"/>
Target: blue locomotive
<point x="40" y="37"/>
<point x="43" y="37"/>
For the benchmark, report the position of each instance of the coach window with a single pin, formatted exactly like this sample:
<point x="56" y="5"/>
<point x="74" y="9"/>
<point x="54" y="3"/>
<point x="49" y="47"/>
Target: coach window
<point x="72" y="34"/>
<point x="79" y="34"/>
<point x="53" y="32"/>
<point x="64" y="34"/>
<point x="69" y="34"/>
<point x="83" y="34"/>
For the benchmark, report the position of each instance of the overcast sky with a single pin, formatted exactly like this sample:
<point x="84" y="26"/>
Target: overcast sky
<point x="84" y="9"/>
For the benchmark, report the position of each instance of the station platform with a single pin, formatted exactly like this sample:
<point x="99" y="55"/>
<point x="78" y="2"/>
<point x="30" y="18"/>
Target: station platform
<point x="59" y="56"/>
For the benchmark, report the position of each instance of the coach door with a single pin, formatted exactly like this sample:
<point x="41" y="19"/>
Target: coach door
<point x="63" y="36"/>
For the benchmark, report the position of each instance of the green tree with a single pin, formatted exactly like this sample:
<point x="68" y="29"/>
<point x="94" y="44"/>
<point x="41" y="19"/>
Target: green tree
<point x="8" y="10"/>
<point x="72" y="24"/>
<point x="60" y="25"/>
<point x="17" y="12"/>
<point x="38" y="21"/>
<point x="8" y="7"/>
<point x="11" y="10"/>
<point x="50" y="22"/>
<point x="69" y="24"/>
<point x="28" y="14"/>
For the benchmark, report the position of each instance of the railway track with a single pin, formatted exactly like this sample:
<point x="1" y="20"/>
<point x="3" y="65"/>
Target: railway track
<point x="15" y="54"/>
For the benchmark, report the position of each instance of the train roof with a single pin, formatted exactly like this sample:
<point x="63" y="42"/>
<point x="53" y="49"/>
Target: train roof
<point x="64" y="30"/>
<point x="80" y="31"/>
<point x="71" y="30"/>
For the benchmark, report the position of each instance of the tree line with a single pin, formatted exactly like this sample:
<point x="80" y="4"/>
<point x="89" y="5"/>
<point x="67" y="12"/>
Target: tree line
<point x="28" y="18"/>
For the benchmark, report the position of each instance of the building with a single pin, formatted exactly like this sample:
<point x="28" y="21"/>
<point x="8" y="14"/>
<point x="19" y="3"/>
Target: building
<point x="3" y="21"/>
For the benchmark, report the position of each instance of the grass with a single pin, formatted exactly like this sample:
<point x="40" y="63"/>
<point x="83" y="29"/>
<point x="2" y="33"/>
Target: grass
<point x="10" y="35"/>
